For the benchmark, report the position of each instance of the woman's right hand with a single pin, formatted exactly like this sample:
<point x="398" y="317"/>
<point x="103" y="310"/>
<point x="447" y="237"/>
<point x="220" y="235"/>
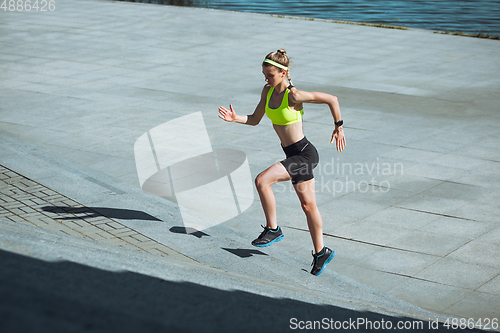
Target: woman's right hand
<point x="227" y="115"/>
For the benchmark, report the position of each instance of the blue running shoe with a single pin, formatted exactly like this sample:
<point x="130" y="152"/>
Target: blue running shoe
<point x="320" y="260"/>
<point x="267" y="237"/>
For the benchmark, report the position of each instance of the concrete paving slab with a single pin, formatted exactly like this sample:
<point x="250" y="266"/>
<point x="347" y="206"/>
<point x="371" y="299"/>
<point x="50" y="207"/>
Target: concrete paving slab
<point x="492" y="286"/>
<point x="476" y="275"/>
<point x="398" y="261"/>
<point x="458" y="227"/>
<point x="374" y="232"/>
<point x="436" y="296"/>
<point x="487" y="250"/>
<point x="430" y="243"/>
<point x="381" y="280"/>
<point x="470" y="305"/>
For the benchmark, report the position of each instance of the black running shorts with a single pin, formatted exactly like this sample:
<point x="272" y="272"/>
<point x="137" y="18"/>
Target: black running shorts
<point x="301" y="158"/>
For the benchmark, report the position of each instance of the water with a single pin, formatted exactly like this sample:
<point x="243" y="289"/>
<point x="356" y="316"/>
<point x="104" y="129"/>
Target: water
<point x="468" y="16"/>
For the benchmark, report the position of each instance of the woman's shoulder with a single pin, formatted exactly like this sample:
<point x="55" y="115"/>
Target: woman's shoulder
<point x="265" y="89"/>
<point x="294" y="93"/>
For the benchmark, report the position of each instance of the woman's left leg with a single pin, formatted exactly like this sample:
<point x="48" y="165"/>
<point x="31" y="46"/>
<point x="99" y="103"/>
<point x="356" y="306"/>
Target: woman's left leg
<point x="307" y="196"/>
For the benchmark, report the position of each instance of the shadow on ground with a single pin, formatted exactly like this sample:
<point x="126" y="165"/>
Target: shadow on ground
<point x="188" y="231"/>
<point x="89" y="212"/>
<point x="39" y="296"/>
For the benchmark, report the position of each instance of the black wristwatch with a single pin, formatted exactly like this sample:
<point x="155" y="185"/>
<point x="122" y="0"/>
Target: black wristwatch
<point x="339" y="123"/>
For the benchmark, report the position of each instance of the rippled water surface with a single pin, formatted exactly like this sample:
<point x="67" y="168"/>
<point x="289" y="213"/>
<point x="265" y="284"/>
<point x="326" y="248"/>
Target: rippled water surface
<point x="471" y="16"/>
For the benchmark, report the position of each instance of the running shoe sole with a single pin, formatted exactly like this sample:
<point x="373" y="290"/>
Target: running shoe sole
<point x="326" y="262"/>
<point x="277" y="239"/>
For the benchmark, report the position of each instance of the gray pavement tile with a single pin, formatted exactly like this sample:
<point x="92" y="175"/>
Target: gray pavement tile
<point x="461" y="162"/>
<point x="433" y="171"/>
<point x="492" y="237"/>
<point x="37" y="87"/>
<point x="33" y="132"/>
<point x="489" y="198"/>
<point x="373" y="232"/>
<point x="422" y="241"/>
<point x="409" y="183"/>
<point x="350" y="208"/>
<point x="429" y="295"/>
<point x="11" y="84"/>
<point x="486" y="180"/>
<point x="96" y="85"/>
<point x="458" y="227"/>
<point x="465" y="275"/>
<point x="295" y="241"/>
<point x="409" y="219"/>
<point x="432" y="204"/>
<point x="253" y="218"/>
<point x="35" y="77"/>
<point x="62" y="72"/>
<point x="115" y="148"/>
<point x="431" y="144"/>
<point x="147" y="93"/>
<point x="477" y="211"/>
<point x="398" y="261"/>
<point x="411" y="154"/>
<point x="349" y="252"/>
<point x="491" y="141"/>
<point x="382" y="193"/>
<point x="115" y="165"/>
<point x="90" y="76"/>
<point x="478" y="306"/>
<point x="380" y="280"/>
<point x="130" y="178"/>
<point x="456" y="191"/>
<point x="489" y="167"/>
<point x="74" y="65"/>
<point x="491" y="287"/>
<point x="357" y="134"/>
<point x="86" y="158"/>
<point x="64" y="82"/>
<point x="332" y="222"/>
<point x="122" y="80"/>
<point x="480" y="252"/>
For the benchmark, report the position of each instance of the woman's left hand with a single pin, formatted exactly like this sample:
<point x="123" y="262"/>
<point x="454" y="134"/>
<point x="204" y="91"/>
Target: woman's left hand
<point x="338" y="136"/>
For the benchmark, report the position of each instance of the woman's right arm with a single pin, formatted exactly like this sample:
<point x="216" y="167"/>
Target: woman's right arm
<point x="251" y="119"/>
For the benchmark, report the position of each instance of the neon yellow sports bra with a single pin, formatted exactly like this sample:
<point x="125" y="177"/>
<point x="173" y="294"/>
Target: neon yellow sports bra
<point x="283" y="115"/>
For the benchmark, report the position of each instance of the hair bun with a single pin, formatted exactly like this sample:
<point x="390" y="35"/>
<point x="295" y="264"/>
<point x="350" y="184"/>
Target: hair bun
<point x="282" y="51"/>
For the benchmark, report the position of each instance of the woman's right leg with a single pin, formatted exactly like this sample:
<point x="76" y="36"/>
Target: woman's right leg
<point x="272" y="175"/>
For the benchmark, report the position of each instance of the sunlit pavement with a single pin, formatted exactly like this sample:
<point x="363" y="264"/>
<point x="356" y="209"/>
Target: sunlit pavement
<point x="410" y="206"/>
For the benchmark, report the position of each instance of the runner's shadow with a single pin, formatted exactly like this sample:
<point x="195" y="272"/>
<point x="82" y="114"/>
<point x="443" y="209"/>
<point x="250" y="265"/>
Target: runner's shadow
<point x="244" y="253"/>
<point x="188" y="231"/>
<point x="90" y="212"/>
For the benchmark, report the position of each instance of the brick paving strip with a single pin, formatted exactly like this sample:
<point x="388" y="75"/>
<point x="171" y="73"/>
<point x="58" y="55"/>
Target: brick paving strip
<point x="25" y="201"/>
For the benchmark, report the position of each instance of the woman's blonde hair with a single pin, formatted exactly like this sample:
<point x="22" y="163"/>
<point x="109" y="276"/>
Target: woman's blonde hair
<point x="281" y="58"/>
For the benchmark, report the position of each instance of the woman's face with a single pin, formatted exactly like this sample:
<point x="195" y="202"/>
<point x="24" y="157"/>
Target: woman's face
<point x="273" y="75"/>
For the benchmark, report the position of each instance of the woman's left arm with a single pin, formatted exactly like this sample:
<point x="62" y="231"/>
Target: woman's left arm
<point x="298" y="96"/>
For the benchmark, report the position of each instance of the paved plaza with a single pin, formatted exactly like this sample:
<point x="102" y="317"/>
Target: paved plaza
<point x="410" y="206"/>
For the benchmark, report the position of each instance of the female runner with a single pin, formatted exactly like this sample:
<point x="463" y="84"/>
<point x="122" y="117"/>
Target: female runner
<point x="283" y="104"/>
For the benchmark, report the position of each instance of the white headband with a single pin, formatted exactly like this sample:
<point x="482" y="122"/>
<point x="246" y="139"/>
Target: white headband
<point x="276" y="64"/>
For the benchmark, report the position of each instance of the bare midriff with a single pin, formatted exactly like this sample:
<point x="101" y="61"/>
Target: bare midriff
<point x="289" y="134"/>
